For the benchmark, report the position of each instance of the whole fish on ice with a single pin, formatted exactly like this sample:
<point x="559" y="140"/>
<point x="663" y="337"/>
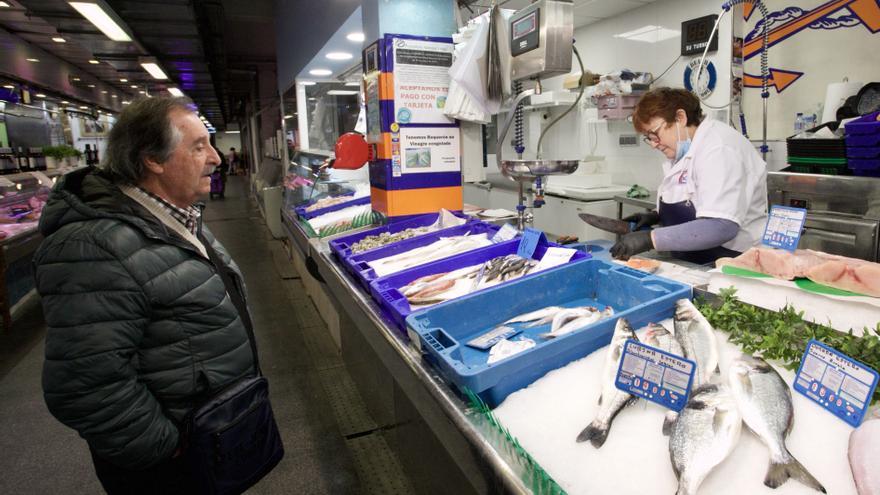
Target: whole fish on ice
<point x="864" y="457"/>
<point x="706" y="431"/>
<point x="697" y="339"/>
<point x="612" y="400"/>
<point x="538" y="317"/>
<point x="764" y="400"/>
<point x="567" y="321"/>
<point x="662" y="338"/>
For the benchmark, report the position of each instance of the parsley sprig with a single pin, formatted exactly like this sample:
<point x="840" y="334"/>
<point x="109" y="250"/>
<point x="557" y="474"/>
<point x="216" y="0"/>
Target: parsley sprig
<point x="783" y="335"/>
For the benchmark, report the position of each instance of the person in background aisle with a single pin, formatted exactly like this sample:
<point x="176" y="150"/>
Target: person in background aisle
<point x="141" y="326"/>
<point x="712" y="201"/>
<point x="218" y="178"/>
<point x="233" y="160"/>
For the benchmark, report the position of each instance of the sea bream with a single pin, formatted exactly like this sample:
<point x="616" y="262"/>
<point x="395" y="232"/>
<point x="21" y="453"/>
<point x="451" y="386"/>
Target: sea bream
<point x="612" y="400"/>
<point x="662" y="338"/>
<point x="706" y="432"/>
<point x="697" y="339"/>
<point x="538" y="317"/>
<point x="764" y="400"/>
<point x="567" y="321"/>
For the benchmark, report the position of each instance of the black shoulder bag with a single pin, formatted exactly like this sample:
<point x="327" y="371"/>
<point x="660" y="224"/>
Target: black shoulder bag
<point x="232" y="440"/>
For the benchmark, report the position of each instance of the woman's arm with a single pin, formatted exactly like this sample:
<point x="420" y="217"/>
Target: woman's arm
<point x="696" y="235"/>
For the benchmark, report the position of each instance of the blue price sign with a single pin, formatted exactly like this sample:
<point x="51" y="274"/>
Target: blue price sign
<point x="655" y="375"/>
<point x="841" y="385"/>
<point x="530" y="239"/>
<point x="784" y="227"/>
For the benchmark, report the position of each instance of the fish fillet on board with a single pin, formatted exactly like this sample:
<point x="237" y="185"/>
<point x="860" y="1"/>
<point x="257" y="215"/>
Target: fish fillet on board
<point x="775" y="262"/>
<point x="858" y="276"/>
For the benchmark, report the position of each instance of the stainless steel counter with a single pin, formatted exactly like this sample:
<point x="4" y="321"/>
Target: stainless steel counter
<point x="648" y="203"/>
<point x="462" y="436"/>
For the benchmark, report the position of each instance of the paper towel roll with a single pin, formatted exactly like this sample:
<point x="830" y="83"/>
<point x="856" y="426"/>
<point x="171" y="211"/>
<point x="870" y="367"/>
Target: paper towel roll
<point x="835" y="95"/>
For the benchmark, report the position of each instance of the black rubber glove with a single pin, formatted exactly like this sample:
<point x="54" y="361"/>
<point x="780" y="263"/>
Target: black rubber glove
<point x="632" y="244"/>
<point x="643" y="219"/>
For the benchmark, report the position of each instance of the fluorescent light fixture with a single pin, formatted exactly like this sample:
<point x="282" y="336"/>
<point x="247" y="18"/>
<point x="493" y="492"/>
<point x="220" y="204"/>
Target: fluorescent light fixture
<point x="77" y="79"/>
<point x="103" y="91"/>
<point x="231" y="132"/>
<point x="134" y="86"/>
<point x="94" y="62"/>
<point x="339" y="56"/>
<point x="32" y="59"/>
<point x="307" y="83"/>
<point x="58" y="39"/>
<point x="175" y="91"/>
<point x="342" y="92"/>
<point x="41" y="95"/>
<point x="64" y="102"/>
<point x="126" y="102"/>
<point x="4" y="4"/>
<point x="353" y="84"/>
<point x="122" y="79"/>
<point x="649" y="34"/>
<point x="312" y="99"/>
<point x="154" y="70"/>
<point x="91" y="85"/>
<point x="288" y="117"/>
<point x="320" y="72"/>
<point x="115" y="96"/>
<point x="83" y="108"/>
<point x="142" y="92"/>
<point x="356" y="37"/>
<point x="8" y="86"/>
<point x="101" y="19"/>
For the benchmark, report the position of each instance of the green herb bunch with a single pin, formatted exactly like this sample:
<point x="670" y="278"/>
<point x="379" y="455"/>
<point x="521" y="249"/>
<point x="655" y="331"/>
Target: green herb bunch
<point x="783" y="335"/>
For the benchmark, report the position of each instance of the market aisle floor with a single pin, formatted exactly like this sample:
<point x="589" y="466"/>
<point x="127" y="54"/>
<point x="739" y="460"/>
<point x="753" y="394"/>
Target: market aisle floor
<point x="330" y="448"/>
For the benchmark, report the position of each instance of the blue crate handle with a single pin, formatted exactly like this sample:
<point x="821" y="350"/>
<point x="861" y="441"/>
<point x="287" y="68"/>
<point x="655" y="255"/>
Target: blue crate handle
<point x="631" y="272"/>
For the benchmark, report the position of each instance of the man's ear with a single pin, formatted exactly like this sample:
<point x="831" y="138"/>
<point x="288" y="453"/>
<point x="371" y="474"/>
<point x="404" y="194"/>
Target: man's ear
<point x="154" y="166"/>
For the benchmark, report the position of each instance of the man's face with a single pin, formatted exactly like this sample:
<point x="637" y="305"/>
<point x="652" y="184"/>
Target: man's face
<point x="186" y="175"/>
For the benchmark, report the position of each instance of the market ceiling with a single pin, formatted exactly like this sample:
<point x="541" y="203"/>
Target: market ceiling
<point x="185" y="38"/>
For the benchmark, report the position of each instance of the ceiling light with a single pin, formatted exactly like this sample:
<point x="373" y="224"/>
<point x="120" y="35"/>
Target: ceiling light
<point x="288" y="117"/>
<point x="175" y="91"/>
<point x="32" y="59"/>
<point x="356" y="37"/>
<point x="126" y="102"/>
<point x="341" y="92"/>
<point x="312" y="99"/>
<point x="91" y="85"/>
<point x="122" y="79"/>
<point x="103" y="91"/>
<point x="95" y="62"/>
<point x="320" y="72"/>
<point x="83" y="108"/>
<point x="4" y="4"/>
<point x="77" y="79"/>
<point x="41" y="95"/>
<point x="101" y="19"/>
<point x="134" y="86"/>
<point x="9" y="86"/>
<point x="307" y="83"/>
<point x="232" y="132"/>
<point x="154" y="70"/>
<point x="649" y="34"/>
<point x="58" y="39"/>
<point x="64" y="102"/>
<point x="115" y="96"/>
<point x="353" y="84"/>
<point x="339" y="56"/>
<point x="142" y="92"/>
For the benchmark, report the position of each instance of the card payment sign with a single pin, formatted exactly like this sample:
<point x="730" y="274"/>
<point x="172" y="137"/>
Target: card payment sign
<point x="836" y="382"/>
<point x="784" y="227"/>
<point x="655" y="375"/>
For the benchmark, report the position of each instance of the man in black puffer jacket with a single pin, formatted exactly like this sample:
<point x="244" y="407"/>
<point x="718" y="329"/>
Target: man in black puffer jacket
<point x="140" y="326"/>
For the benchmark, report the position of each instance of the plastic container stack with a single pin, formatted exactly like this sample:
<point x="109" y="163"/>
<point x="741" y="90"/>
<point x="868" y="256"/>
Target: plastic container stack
<point x="817" y="156"/>
<point x="863" y="145"/>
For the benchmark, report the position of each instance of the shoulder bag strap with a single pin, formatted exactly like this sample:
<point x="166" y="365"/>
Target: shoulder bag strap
<point x="235" y="295"/>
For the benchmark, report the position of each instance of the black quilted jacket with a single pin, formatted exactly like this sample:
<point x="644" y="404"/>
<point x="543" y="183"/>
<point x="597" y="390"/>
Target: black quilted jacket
<point x="140" y="326"/>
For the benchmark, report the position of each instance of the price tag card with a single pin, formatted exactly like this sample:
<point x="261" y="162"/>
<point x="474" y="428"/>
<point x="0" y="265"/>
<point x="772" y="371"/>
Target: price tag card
<point x="505" y="233"/>
<point x="487" y="340"/>
<point x="838" y="383"/>
<point x="530" y="240"/>
<point x="784" y="227"/>
<point x="554" y="256"/>
<point x="655" y="375"/>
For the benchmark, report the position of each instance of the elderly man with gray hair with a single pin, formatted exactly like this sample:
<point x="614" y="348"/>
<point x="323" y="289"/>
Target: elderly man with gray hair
<point x="146" y="312"/>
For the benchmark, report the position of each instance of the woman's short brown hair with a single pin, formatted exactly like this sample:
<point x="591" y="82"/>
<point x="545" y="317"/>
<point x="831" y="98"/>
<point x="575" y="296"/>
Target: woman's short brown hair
<point x="664" y="103"/>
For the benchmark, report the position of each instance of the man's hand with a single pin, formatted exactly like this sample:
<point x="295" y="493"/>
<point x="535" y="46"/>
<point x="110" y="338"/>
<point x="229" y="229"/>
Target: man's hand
<point x="632" y="244"/>
<point x="643" y="219"/>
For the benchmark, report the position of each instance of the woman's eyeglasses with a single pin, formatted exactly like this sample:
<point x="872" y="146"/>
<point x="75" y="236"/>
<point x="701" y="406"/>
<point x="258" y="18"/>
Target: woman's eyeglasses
<point x="651" y="138"/>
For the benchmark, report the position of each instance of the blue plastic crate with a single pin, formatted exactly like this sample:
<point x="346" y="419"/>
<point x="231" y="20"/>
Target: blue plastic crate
<point x="395" y="306"/>
<point x="866" y="124"/>
<point x="341" y="247"/>
<point x="862" y="152"/>
<point x="443" y="330"/>
<point x="865" y="167"/>
<point x="356" y="264"/>
<point x="863" y="140"/>
<point x="305" y="215"/>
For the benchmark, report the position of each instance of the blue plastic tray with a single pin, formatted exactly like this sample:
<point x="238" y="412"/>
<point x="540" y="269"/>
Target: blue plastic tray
<point x="357" y="265"/>
<point x="863" y="152"/>
<point x="866" y="124"/>
<point x="396" y="308"/>
<point x="341" y="247"/>
<point x="305" y="215"/>
<point x="861" y="140"/>
<point x="443" y="330"/>
<point x="866" y="167"/>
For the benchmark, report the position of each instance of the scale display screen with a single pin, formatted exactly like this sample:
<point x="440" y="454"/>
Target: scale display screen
<point x="525" y="25"/>
<point x="695" y="34"/>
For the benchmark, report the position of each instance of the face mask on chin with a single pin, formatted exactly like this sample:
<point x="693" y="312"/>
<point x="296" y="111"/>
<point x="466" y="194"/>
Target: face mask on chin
<point x="681" y="147"/>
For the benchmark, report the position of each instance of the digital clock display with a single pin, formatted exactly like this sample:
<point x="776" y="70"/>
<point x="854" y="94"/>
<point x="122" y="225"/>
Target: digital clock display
<point x="695" y="35"/>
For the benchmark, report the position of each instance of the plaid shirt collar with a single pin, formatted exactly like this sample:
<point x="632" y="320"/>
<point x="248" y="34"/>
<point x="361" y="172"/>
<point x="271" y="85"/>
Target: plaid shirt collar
<point x="188" y="217"/>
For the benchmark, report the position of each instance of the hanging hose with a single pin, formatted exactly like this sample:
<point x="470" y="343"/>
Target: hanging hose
<point x="576" y="101"/>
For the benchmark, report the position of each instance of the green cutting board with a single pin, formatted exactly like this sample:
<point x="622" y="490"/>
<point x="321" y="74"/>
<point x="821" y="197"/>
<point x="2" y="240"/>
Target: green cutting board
<point x="802" y="283"/>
